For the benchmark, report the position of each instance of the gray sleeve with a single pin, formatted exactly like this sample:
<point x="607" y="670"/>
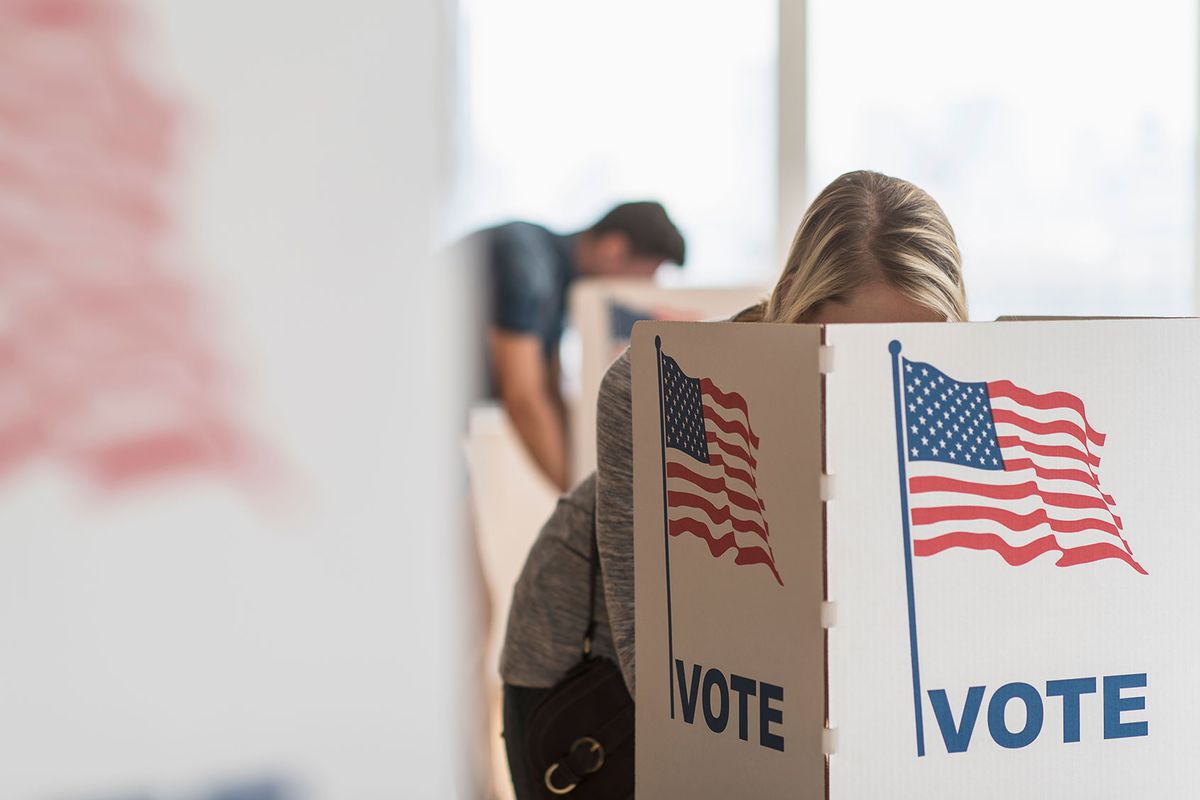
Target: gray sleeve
<point x="614" y="507"/>
<point x="549" y="611"/>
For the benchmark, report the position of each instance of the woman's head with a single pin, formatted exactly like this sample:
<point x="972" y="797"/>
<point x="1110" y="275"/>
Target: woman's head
<point x="871" y="249"/>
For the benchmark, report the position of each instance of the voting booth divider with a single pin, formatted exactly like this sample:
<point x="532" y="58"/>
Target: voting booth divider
<point x="917" y="560"/>
<point x="604" y="311"/>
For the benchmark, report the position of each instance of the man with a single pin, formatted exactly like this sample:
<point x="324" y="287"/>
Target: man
<point x="527" y="272"/>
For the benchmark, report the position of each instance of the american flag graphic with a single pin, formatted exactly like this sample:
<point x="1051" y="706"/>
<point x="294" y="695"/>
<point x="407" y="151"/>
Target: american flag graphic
<point x="993" y="466"/>
<point x="710" y="460"/>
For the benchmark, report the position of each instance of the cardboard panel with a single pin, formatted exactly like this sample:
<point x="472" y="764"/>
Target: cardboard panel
<point x="1083" y="654"/>
<point x="730" y="648"/>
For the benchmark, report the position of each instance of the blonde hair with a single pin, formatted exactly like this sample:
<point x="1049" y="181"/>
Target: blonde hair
<point x="862" y="228"/>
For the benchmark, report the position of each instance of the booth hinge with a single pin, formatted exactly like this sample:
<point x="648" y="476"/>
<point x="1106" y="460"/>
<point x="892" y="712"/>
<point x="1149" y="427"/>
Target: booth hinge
<point x="828" y="487"/>
<point x="825" y="359"/>
<point x="829" y="741"/>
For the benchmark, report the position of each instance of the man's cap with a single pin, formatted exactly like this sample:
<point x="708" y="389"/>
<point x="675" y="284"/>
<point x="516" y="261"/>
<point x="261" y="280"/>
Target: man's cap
<point x="651" y="232"/>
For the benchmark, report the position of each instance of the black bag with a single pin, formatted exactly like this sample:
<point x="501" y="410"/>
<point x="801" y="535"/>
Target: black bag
<point x="579" y="740"/>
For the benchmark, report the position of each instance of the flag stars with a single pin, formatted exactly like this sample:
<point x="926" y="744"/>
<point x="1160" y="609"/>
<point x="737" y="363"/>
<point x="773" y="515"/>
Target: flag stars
<point x="915" y="452"/>
<point x="969" y="441"/>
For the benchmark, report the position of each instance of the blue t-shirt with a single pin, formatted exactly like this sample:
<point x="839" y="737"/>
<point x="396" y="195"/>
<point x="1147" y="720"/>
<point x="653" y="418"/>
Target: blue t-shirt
<point x="527" y="271"/>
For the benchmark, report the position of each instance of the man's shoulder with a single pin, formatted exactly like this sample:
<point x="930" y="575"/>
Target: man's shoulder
<point x="526" y="248"/>
<point x="522" y="232"/>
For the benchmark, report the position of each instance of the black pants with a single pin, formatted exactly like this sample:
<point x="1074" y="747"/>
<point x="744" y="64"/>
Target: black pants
<point x="519" y="703"/>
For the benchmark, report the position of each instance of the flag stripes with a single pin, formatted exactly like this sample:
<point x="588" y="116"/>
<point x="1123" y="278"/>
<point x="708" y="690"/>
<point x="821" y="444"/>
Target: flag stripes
<point x="711" y="463"/>
<point x="997" y="467"/>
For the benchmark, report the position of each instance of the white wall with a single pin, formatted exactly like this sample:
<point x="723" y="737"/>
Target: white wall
<point x="167" y="636"/>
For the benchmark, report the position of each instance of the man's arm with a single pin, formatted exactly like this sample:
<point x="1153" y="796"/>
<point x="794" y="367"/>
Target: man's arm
<point x="532" y="400"/>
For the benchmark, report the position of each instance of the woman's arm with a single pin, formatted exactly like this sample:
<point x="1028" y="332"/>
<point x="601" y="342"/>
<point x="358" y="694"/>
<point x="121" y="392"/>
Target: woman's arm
<point x="614" y="507"/>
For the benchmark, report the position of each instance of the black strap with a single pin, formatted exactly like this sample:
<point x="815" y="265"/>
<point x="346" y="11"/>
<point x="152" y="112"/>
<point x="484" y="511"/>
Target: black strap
<point x="591" y="626"/>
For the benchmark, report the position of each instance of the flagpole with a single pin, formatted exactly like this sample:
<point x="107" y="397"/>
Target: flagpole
<point x="662" y="430"/>
<point x="901" y="456"/>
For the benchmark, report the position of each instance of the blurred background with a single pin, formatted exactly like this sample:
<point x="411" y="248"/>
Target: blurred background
<point x="258" y="529"/>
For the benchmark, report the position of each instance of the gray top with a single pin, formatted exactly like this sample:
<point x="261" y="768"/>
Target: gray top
<point x="549" y="608"/>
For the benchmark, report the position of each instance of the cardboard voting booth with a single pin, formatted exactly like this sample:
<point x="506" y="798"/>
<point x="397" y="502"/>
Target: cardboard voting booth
<point x="604" y="312"/>
<point x="920" y="560"/>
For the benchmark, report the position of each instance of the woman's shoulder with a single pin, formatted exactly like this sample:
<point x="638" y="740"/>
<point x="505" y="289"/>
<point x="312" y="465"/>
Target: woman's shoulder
<point x="582" y="497"/>
<point x="615" y="385"/>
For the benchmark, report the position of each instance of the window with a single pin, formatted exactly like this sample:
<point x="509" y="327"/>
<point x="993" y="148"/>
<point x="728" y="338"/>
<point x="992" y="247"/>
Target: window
<point x="565" y="109"/>
<point x="1059" y="137"/>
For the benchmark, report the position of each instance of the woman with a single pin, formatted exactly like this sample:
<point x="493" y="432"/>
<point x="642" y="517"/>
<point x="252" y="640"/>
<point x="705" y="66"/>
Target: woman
<point x="870" y="249"/>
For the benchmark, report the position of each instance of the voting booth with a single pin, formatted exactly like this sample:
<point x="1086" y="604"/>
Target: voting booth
<point x="604" y="311"/>
<point x="918" y="560"/>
